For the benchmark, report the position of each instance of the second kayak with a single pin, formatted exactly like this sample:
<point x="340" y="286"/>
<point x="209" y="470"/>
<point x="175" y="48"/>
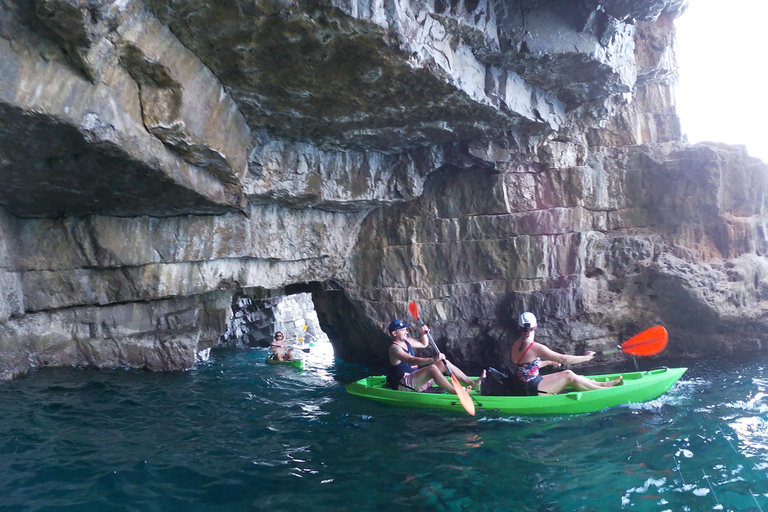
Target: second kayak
<point x="297" y="363"/>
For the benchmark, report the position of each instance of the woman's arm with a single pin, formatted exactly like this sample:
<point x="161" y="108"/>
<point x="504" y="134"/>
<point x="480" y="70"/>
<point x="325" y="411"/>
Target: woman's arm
<point x="548" y="354"/>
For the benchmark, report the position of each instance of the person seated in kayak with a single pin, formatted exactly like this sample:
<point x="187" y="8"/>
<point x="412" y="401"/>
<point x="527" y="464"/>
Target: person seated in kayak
<point x="279" y="351"/>
<point x="407" y="372"/>
<point x="528" y="357"/>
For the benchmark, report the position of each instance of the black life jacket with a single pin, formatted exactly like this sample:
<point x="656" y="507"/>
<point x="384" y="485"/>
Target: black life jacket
<point x="498" y="383"/>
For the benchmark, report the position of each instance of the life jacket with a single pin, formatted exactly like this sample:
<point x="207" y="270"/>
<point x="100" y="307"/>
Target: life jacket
<point x="506" y="383"/>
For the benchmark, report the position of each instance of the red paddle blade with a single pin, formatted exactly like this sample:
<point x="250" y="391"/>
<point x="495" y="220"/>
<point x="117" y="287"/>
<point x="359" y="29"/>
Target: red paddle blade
<point x="648" y="343"/>
<point x="463" y="395"/>
<point x="414" y="309"/>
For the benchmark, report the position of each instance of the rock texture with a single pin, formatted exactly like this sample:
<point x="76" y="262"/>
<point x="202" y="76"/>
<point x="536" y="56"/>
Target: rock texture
<point x="626" y="238"/>
<point x="160" y="160"/>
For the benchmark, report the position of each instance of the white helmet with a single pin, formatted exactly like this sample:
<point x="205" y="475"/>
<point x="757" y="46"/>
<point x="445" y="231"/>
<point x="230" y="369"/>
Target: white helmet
<point x="527" y="321"/>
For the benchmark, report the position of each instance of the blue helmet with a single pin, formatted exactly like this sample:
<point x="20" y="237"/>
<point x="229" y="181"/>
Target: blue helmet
<point x="397" y="324"/>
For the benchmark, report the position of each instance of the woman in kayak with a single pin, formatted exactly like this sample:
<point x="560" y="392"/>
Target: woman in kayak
<point x="404" y="372"/>
<point x="528" y="356"/>
<point x="279" y="350"/>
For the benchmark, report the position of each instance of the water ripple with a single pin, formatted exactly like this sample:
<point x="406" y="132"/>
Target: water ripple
<point x="236" y="434"/>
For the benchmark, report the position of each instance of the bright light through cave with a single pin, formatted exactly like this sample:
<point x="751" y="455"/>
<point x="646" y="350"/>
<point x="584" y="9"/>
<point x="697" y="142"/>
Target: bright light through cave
<point x="255" y="321"/>
<point x="720" y="52"/>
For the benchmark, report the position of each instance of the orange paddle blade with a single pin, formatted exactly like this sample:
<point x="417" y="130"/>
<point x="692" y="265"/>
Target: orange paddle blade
<point x="414" y="309"/>
<point x="463" y="395"/>
<point x="648" y="343"/>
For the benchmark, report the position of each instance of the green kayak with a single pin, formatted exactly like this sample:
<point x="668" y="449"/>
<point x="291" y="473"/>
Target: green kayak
<point x="637" y="387"/>
<point x="297" y="363"/>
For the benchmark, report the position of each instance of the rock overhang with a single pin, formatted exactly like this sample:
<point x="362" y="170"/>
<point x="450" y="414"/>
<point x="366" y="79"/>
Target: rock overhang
<point x="148" y="98"/>
<point x="393" y="76"/>
<point x="84" y="135"/>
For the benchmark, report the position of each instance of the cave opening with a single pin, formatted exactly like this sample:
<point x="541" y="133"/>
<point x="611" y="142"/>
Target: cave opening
<point x="318" y="316"/>
<point x="256" y="319"/>
<point x="258" y="314"/>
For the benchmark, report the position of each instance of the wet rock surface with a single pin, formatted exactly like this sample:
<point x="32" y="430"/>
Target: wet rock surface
<point x="161" y="158"/>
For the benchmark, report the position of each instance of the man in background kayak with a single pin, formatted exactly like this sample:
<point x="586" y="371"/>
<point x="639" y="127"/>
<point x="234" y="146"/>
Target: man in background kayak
<point x="407" y="372"/>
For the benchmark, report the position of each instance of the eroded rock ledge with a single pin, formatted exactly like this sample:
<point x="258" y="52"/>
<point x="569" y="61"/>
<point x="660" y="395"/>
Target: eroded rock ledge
<point x="161" y="158"/>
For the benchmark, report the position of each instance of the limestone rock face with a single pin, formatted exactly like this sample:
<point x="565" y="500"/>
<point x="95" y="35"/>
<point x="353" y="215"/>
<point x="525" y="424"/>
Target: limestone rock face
<point x="598" y="250"/>
<point x="160" y="160"/>
<point x="70" y="145"/>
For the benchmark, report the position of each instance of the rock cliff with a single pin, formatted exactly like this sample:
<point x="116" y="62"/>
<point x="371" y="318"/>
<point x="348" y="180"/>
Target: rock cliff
<point x="162" y="159"/>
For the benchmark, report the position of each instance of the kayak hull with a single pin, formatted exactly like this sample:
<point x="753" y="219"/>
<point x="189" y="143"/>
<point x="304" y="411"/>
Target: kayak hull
<point x="637" y="387"/>
<point x="296" y="363"/>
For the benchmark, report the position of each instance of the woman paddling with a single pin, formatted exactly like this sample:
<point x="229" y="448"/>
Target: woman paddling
<point x="528" y="356"/>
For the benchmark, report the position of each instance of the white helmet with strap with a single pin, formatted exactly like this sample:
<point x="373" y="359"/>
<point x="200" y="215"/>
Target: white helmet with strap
<point x="527" y="321"/>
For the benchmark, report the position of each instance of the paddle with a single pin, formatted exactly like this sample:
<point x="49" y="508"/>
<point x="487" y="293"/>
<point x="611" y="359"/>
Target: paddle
<point x="301" y="338"/>
<point x="648" y="343"/>
<point x="464" y="398"/>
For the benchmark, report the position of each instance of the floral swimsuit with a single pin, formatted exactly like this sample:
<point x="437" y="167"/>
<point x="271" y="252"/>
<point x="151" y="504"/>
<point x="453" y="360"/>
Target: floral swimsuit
<point x="528" y="374"/>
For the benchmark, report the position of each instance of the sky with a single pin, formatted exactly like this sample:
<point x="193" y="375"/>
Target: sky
<point x="722" y="55"/>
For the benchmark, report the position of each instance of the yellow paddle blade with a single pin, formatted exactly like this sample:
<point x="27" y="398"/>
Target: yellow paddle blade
<point x="463" y="395"/>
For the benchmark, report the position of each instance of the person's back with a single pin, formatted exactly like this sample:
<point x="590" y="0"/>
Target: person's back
<point x="525" y="363"/>
<point x="528" y="357"/>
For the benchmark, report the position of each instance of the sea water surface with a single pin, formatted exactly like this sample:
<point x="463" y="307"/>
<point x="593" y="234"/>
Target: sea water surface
<point x="235" y="434"/>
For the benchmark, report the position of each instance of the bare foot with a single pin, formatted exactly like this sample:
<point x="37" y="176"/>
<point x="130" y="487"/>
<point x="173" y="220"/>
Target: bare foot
<point x="611" y="383"/>
<point x="476" y="384"/>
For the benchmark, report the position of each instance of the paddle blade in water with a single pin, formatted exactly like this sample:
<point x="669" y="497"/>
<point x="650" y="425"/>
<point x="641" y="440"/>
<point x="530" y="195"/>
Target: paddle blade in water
<point x="463" y="395"/>
<point x="648" y="343"/>
<point x="414" y="309"/>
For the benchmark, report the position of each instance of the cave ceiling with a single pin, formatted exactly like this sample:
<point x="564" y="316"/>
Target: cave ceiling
<point x="152" y="108"/>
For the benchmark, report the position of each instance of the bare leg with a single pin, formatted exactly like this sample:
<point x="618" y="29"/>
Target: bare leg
<point x="478" y="383"/>
<point x="433" y="372"/>
<point x="459" y="374"/>
<point x="556" y="382"/>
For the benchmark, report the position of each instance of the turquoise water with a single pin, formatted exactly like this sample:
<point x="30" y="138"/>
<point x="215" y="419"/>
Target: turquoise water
<point x="235" y="434"/>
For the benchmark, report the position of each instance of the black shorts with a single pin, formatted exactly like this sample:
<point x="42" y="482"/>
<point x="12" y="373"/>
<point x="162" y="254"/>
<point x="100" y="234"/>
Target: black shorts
<point x="520" y="388"/>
